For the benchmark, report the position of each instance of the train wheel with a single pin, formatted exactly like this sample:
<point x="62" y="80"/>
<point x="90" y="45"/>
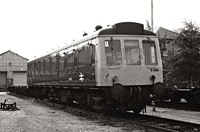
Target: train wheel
<point x="83" y="103"/>
<point x="137" y="109"/>
<point x="116" y="110"/>
<point x="175" y="99"/>
<point x="105" y="109"/>
<point x="69" y="102"/>
<point x="190" y="100"/>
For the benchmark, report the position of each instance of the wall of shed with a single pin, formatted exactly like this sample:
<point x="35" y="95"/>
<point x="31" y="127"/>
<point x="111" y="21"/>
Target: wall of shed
<point x="15" y="68"/>
<point x="12" y="62"/>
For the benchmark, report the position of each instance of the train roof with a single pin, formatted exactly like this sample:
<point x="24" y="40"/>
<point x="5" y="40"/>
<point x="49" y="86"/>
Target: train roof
<point x="126" y="28"/>
<point x="123" y="28"/>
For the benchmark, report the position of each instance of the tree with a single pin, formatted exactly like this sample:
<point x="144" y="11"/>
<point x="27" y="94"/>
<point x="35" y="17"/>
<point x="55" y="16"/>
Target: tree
<point x="184" y="64"/>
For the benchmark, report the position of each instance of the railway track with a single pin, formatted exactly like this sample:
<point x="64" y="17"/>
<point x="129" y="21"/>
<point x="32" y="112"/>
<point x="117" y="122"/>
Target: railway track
<point x="162" y="123"/>
<point x="179" y="106"/>
<point x="130" y="121"/>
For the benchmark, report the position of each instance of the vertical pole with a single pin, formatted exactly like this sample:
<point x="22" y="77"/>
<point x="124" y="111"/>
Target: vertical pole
<point x="152" y="15"/>
<point x="58" y="66"/>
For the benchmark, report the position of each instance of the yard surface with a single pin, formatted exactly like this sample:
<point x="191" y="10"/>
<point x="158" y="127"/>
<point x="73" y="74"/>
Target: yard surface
<point x="35" y="117"/>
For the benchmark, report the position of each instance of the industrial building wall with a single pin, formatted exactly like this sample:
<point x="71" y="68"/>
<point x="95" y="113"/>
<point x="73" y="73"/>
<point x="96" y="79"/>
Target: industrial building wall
<point x="10" y="61"/>
<point x="13" y="70"/>
<point x="20" y="78"/>
<point x="3" y="81"/>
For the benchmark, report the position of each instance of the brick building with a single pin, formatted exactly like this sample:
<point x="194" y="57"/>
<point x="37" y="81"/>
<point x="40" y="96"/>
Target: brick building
<point x="13" y="70"/>
<point x="166" y="38"/>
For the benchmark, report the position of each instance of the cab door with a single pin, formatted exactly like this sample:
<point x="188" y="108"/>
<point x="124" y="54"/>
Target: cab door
<point x="152" y="59"/>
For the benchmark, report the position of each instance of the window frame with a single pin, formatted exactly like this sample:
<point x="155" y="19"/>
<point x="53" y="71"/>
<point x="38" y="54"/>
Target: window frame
<point x="114" y="58"/>
<point x="155" y="53"/>
<point x="139" y="54"/>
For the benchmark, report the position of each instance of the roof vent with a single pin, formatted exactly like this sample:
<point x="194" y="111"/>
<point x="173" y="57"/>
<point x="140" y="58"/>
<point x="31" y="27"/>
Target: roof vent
<point x="85" y="34"/>
<point x="129" y="28"/>
<point x="98" y="27"/>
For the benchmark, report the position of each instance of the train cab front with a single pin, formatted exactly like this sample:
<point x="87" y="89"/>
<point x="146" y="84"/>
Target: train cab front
<point x="129" y="63"/>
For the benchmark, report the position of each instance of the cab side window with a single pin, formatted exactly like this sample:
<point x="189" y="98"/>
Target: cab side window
<point x="149" y="49"/>
<point x="113" y="52"/>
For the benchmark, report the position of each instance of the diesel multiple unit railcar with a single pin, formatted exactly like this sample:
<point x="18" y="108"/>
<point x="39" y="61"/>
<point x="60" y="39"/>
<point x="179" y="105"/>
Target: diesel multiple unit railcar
<point x="114" y="69"/>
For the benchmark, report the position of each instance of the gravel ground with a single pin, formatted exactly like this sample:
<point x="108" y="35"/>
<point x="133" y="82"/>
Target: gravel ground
<point x="35" y="117"/>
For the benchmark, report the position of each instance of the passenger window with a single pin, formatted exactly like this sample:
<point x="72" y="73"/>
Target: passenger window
<point x="84" y="54"/>
<point x="61" y="60"/>
<point x="113" y="52"/>
<point x="75" y="56"/>
<point x="35" y="68"/>
<point x="65" y="61"/>
<point x="70" y="60"/>
<point x="132" y="52"/>
<point x="44" y="66"/>
<point x="54" y="61"/>
<point x="149" y="49"/>
<point x="50" y="64"/>
<point x="38" y="67"/>
<point x="92" y="54"/>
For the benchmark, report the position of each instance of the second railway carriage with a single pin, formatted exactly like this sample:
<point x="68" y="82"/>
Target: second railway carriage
<point x="116" y="68"/>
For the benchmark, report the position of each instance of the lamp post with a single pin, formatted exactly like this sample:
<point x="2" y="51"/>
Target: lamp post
<point x="152" y="15"/>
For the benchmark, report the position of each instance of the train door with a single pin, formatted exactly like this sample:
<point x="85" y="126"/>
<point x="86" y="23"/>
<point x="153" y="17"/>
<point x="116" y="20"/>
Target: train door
<point x="109" y="59"/>
<point x="152" y="59"/>
<point x="86" y="63"/>
<point x="149" y="50"/>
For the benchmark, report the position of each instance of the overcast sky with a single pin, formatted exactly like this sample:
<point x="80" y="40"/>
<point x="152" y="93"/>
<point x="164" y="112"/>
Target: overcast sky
<point x="35" y="27"/>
